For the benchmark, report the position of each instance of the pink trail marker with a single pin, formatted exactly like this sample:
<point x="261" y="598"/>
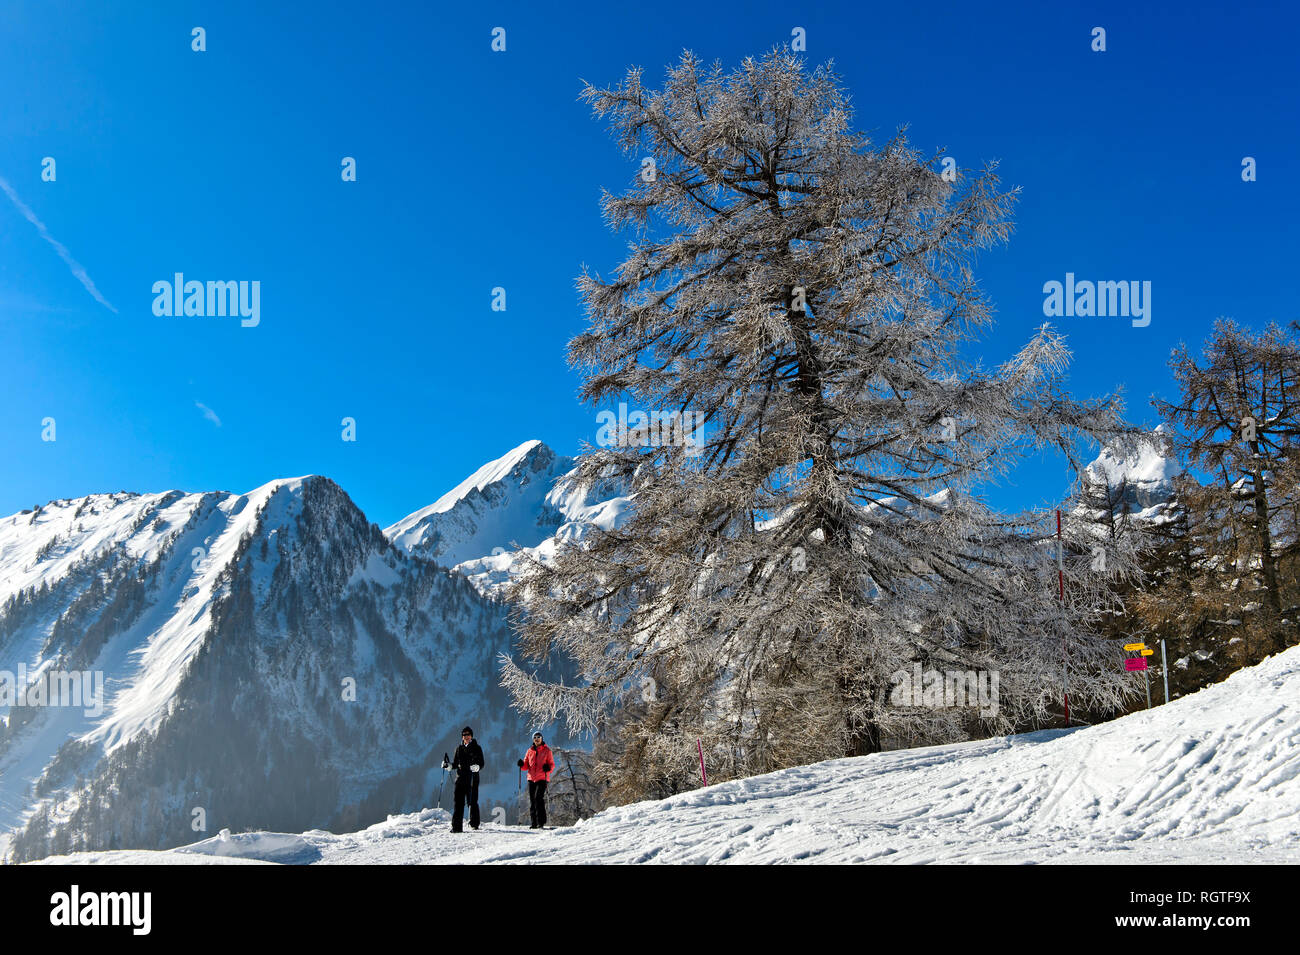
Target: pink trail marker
<point x="700" y="746"/>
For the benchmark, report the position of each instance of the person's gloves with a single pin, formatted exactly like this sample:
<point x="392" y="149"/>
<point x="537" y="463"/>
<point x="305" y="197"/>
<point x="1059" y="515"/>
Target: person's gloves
<point x="473" y="769"/>
<point x="547" y="768"/>
<point x="521" y="764"/>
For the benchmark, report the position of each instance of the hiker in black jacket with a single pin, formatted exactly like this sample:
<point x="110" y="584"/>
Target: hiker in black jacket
<point x="468" y="763"/>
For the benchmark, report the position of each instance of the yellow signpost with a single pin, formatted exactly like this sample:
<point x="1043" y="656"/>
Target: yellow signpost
<point x="1139" y="663"/>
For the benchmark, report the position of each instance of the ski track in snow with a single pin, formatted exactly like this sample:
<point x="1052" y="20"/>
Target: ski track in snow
<point x="1212" y="778"/>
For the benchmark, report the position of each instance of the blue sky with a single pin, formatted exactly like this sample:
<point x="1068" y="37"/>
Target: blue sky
<point x="479" y="169"/>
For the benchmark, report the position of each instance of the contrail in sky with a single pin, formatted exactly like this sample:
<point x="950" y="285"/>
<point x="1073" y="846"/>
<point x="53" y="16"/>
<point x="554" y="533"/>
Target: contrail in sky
<point x="59" y="247"/>
<point x="208" y="413"/>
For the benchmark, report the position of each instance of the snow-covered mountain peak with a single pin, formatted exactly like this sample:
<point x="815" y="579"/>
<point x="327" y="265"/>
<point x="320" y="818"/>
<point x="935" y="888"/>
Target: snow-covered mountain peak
<point x="1144" y="470"/>
<point x="529" y="457"/>
<point x="505" y="502"/>
<point x="1148" y="462"/>
<point x="521" y="506"/>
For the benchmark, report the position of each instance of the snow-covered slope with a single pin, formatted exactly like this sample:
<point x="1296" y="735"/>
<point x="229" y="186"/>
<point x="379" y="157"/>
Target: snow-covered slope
<point x="70" y="602"/>
<point x="516" y="507"/>
<point x="1211" y="778"/>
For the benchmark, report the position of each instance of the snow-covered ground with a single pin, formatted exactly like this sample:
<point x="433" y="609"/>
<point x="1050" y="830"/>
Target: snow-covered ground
<point x="1211" y="778"/>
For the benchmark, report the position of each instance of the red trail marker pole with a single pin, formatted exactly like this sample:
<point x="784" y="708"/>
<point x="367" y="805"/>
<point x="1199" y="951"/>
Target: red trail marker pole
<point x="700" y="746"/>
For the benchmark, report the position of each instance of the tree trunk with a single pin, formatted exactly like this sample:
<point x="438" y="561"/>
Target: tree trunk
<point x="1265" y="535"/>
<point x="864" y="738"/>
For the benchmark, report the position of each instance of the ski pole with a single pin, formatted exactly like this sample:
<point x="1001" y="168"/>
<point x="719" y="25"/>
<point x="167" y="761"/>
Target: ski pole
<point x="442" y="782"/>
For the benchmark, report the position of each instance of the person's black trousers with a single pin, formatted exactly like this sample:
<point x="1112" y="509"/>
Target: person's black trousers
<point x="537" y="802"/>
<point x="466" y="790"/>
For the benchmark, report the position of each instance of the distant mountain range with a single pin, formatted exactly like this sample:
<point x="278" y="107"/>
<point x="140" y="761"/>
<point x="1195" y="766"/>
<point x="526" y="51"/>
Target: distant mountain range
<point x="269" y="658"/>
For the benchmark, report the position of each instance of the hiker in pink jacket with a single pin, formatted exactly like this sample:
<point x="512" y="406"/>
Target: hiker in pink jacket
<point x="540" y="764"/>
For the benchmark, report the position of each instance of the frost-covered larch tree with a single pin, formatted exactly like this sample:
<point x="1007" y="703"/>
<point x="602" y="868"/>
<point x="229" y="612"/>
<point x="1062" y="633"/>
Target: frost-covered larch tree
<point x="805" y="292"/>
